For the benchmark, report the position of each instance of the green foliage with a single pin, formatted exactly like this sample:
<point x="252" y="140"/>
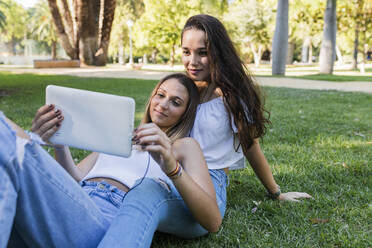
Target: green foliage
<point x="306" y="19"/>
<point x="251" y="22"/>
<point x="2" y="15"/>
<point x="16" y="26"/>
<point x="125" y="10"/>
<point x="41" y="22"/>
<point x="319" y="142"/>
<point x="356" y="14"/>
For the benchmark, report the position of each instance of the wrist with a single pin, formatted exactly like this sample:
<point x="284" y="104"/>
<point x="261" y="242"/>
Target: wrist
<point x="176" y="173"/>
<point x="274" y="194"/>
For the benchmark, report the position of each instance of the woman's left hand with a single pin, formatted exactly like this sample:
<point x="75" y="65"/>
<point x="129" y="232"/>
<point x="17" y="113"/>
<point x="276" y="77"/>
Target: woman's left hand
<point x="152" y="139"/>
<point x="293" y="196"/>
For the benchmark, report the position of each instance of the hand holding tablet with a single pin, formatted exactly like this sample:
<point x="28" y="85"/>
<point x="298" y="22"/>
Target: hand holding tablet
<point x="93" y="121"/>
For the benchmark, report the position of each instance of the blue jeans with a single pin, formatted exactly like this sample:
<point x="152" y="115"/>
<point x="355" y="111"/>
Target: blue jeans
<point x="41" y="201"/>
<point x="42" y="206"/>
<point x="158" y="206"/>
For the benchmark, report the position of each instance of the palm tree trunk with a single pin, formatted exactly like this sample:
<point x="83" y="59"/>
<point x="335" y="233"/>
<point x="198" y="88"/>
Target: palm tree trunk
<point x="88" y="11"/>
<point x="63" y="36"/>
<point x="66" y="14"/>
<point x="108" y="17"/>
<point x="328" y="48"/>
<point x="280" y="42"/>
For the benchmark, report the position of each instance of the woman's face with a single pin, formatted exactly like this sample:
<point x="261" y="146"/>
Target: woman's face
<point x="169" y="103"/>
<point x="195" y="54"/>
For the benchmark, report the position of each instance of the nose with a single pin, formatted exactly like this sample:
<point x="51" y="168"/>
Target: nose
<point x="194" y="58"/>
<point x="163" y="103"/>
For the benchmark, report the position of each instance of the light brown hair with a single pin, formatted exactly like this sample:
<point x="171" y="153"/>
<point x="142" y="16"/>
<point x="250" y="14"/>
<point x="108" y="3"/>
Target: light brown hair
<point x="183" y="126"/>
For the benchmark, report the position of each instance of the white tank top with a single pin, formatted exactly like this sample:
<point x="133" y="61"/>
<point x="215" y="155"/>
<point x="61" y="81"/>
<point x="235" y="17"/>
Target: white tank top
<point x="126" y="170"/>
<point x="212" y="130"/>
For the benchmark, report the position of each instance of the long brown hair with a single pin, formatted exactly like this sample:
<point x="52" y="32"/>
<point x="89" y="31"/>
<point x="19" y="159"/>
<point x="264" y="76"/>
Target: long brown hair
<point x="241" y="95"/>
<point x="183" y="126"/>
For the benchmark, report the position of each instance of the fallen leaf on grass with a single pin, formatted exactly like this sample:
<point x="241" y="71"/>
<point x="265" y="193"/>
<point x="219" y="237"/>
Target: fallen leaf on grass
<point x="369" y="143"/>
<point x="318" y="221"/>
<point x="254" y="210"/>
<point x="344" y="165"/>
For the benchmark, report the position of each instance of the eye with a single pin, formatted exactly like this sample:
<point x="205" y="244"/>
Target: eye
<point x="159" y="94"/>
<point x="186" y="52"/>
<point x="176" y="103"/>
<point x="203" y="53"/>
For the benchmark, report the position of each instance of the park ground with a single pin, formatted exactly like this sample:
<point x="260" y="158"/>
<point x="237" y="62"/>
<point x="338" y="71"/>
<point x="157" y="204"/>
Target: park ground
<point x="300" y="77"/>
<point x="319" y="142"/>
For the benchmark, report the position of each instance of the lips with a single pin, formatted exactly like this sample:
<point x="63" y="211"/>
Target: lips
<point x="194" y="71"/>
<point x="160" y="113"/>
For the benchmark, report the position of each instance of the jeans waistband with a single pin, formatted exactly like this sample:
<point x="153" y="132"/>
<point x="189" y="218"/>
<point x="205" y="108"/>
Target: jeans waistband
<point x="104" y="186"/>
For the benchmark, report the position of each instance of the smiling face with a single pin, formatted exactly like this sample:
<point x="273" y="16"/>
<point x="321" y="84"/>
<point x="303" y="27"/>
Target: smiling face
<point x="169" y="103"/>
<point x="195" y="54"/>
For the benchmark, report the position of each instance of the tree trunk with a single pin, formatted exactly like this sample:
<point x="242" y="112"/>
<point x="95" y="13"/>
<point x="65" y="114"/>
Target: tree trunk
<point x="256" y="55"/>
<point x="172" y="55"/>
<point x="280" y="42"/>
<point x="108" y="17"/>
<point x="54" y="49"/>
<point x="340" y="61"/>
<point x="327" y="50"/>
<point x="66" y="13"/>
<point x="63" y="36"/>
<point x="305" y="50"/>
<point x="88" y="11"/>
<point x="356" y="45"/>
<point x="310" y="53"/>
<point x="290" y="53"/>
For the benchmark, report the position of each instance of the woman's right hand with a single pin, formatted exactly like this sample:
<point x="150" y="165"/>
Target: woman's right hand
<point x="47" y="121"/>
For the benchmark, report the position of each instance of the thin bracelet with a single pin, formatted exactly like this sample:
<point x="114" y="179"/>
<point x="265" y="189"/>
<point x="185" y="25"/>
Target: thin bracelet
<point x="275" y="195"/>
<point x="176" y="173"/>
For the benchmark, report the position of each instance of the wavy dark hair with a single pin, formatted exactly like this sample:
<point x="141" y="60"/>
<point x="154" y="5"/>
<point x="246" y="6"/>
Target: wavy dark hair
<point x="242" y="97"/>
<point x="183" y="126"/>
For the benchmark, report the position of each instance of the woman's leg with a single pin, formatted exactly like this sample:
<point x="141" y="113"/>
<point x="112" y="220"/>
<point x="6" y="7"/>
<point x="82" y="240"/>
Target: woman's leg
<point x="154" y="205"/>
<point x="45" y="205"/>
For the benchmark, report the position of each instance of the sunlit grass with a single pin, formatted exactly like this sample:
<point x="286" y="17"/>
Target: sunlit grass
<point x="319" y="142"/>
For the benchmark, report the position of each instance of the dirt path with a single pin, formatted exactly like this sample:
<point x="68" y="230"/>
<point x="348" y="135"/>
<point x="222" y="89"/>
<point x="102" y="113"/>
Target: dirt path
<point x="123" y="72"/>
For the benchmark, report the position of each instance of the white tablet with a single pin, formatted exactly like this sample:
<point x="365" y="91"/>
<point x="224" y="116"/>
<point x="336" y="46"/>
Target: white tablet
<point x="93" y="121"/>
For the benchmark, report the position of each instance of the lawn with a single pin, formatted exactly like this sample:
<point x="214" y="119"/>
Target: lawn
<point x="320" y="142"/>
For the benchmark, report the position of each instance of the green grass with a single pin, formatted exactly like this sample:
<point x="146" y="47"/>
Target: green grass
<point x="336" y="78"/>
<point x="325" y="77"/>
<point x="320" y="142"/>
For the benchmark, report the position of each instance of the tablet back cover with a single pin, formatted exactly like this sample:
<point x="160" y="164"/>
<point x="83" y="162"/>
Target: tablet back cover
<point x="93" y="121"/>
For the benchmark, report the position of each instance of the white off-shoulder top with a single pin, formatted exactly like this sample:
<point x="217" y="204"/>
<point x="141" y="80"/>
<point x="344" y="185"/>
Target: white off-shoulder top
<point x="212" y="130"/>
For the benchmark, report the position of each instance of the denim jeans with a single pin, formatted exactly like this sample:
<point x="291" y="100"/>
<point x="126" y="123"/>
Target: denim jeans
<point x="41" y="201"/>
<point x="42" y="206"/>
<point x="158" y="206"/>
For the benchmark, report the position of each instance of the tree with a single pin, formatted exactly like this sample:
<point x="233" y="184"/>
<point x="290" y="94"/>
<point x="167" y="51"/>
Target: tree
<point x="14" y="29"/>
<point x="42" y="26"/>
<point x="306" y="25"/>
<point x="86" y="36"/>
<point x="124" y="11"/>
<point x="280" y="42"/>
<point x="328" y="48"/>
<point x="254" y="31"/>
<point x="2" y="15"/>
<point x="162" y="23"/>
